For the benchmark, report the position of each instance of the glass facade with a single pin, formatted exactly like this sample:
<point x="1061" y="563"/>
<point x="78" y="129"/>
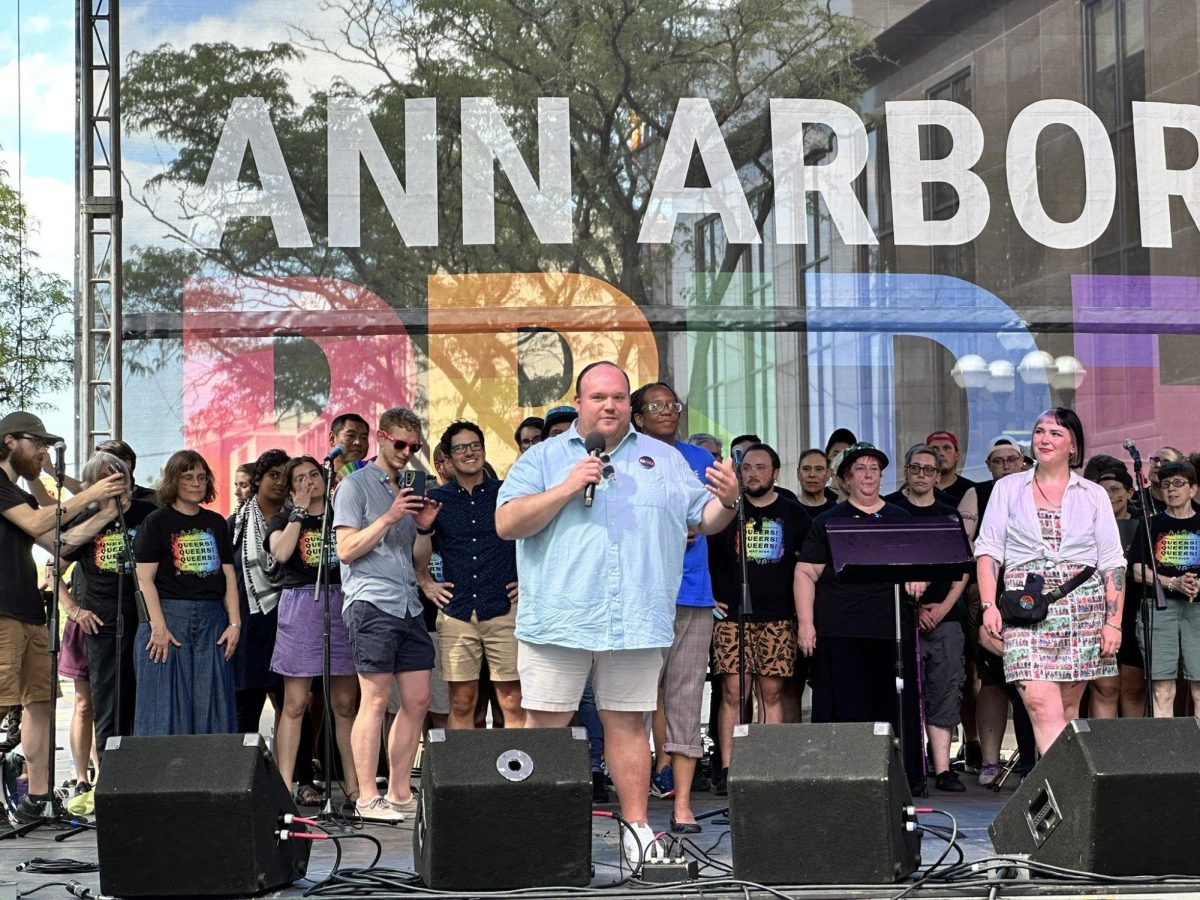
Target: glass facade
<point x="896" y="217"/>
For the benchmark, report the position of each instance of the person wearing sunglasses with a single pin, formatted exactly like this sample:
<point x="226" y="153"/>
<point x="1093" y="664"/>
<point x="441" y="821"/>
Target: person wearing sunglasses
<point x="377" y="524"/>
<point x="599" y="581"/>
<point x="1175" y="537"/>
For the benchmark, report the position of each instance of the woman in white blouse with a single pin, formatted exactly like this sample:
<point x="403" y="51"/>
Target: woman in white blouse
<point x="1051" y="522"/>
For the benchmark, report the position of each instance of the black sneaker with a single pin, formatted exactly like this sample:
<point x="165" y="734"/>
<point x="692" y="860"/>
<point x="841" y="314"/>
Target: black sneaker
<point x="972" y="757"/>
<point x="948" y="781"/>
<point x="721" y="783"/>
<point x="599" y="788"/>
<point x="30" y="809"/>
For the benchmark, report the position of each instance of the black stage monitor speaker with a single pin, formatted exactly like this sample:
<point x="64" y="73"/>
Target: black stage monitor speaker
<point x="504" y="808"/>
<point x="193" y="815"/>
<point x="1112" y="796"/>
<point x="819" y="804"/>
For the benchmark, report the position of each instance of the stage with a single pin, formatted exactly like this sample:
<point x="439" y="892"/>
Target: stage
<point x="973" y="810"/>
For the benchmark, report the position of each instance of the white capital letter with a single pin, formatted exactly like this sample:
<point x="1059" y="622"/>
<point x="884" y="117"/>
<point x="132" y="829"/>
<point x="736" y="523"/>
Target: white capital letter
<point x="833" y="180"/>
<point x="1156" y="183"/>
<point x="695" y="125"/>
<point x="486" y="136"/>
<point x="1100" y="174"/>
<point x="909" y="172"/>
<point x="351" y="136"/>
<point x="223" y="197"/>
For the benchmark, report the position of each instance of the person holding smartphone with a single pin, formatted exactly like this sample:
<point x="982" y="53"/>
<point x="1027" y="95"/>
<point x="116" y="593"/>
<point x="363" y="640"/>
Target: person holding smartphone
<point x="377" y="523"/>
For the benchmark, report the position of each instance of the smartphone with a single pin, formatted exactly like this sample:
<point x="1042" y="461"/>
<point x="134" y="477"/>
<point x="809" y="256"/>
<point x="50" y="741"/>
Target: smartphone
<point x="412" y="478"/>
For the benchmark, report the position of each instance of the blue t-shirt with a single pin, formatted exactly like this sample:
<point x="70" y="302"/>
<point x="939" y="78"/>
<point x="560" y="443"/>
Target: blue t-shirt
<point x="696" y="587"/>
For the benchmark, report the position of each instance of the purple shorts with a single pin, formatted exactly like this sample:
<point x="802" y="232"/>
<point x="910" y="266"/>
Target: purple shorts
<point x="300" y="638"/>
<point x="72" y="653"/>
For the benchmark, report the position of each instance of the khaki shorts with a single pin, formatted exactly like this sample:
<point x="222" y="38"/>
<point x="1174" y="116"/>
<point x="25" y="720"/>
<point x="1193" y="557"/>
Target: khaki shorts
<point x="24" y="663"/>
<point x="464" y="645"/>
<point x="553" y="678"/>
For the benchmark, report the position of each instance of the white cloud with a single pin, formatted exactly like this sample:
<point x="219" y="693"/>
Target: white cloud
<point x="50" y="203"/>
<point x="47" y="93"/>
<point x="37" y="25"/>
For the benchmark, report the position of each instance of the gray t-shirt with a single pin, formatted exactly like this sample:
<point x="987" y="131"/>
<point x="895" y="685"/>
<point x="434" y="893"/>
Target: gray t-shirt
<point x="384" y="576"/>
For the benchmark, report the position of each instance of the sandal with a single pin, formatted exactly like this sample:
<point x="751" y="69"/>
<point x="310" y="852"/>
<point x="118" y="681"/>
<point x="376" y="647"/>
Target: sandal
<point x="307" y="795"/>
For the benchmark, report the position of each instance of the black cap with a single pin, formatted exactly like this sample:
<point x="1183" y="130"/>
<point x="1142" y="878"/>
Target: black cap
<point x="858" y="451"/>
<point x="21" y="422"/>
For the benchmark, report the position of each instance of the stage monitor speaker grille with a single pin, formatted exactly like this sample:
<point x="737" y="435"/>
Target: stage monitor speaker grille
<point x="505" y="808"/>
<point x="819" y="804"/>
<point x="1111" y="796"/>
<point x="192" y="816"/>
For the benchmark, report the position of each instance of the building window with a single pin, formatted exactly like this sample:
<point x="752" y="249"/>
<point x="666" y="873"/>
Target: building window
<point x="941" y="200"/>
<point x="1115" y="49"/>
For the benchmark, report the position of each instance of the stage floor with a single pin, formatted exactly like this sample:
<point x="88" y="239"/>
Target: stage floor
<point x="974" y="811"/>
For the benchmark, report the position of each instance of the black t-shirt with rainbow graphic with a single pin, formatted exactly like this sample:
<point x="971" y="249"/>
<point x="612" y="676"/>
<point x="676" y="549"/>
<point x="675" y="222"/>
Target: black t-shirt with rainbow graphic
<point x="301" y="567"/>
<point x="189" y="550"/>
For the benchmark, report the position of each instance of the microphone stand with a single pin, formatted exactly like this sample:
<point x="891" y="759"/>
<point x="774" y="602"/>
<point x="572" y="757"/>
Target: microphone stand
<point x="53" y="814"/>
<point x="1145" y="501"/>
<point x="321" y="594"/>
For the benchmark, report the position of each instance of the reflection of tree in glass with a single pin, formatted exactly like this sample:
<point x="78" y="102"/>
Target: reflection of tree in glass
<point x="623" y="66"/>
<point x="34" y="360"/>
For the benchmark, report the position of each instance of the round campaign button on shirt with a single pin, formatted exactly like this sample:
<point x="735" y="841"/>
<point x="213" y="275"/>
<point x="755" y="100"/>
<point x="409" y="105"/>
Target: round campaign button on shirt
<point x="646" y="462"/>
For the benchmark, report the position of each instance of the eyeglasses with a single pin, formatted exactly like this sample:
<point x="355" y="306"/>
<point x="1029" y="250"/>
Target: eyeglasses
<point x="927" y="471"/>
<point x="193" y="478"/>
<point x="460" y="449"/>
<point x="659" y="405"/>
<point x="528" y="442"/>
<point x="400" y="446"/>
<point x="1004" y="461"/>
<point x="38" y="443"/>
<point x="1176" y="483"/>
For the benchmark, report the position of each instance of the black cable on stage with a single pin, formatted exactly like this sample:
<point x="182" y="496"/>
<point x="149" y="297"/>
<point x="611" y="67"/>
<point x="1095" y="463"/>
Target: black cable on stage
<point x="66" y="866"/>
<point x="951" y="843"/>
<point x="42" y="887"/>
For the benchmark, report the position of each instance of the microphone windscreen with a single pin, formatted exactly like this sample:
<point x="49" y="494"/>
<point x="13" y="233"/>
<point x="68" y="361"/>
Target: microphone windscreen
<point x="594" y="442"/>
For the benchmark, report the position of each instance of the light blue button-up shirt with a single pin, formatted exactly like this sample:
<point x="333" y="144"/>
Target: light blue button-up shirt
<point x="605" y="578"/>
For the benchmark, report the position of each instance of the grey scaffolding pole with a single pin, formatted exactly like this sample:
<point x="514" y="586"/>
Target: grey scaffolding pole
<point x="98" y="238"/>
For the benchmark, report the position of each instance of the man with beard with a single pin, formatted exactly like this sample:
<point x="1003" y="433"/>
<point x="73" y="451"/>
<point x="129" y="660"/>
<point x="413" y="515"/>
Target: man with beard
<point x="848" y="628"/>
<point x="940" y="620"/>
<point x="24" y="643"/>
<point x="775" y="531"/>
<point x="599" y="582"/>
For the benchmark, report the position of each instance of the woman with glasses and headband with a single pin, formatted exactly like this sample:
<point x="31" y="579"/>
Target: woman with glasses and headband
<point x="1175" y="537"/>
<point x="185" y="571"/>
<point x="1051" y="523"/>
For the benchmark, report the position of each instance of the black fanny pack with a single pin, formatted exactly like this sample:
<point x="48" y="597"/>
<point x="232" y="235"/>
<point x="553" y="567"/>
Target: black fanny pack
<point x="1030" y="604"/>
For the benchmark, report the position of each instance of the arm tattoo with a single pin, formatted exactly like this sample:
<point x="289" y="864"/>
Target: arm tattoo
<point x="1114" y="581"/>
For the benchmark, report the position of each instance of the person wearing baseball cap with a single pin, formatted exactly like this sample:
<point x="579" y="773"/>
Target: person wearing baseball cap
<point x="849" y="628"/>
<point x="558" y="420"/>
<point x="949" y="481"/>
<point x="24" y="644"/>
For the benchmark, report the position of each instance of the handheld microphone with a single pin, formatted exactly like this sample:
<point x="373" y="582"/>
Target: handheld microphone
<point x="334" y="453"/>
<point x="738" y="453"/>
<point x="594" y="444"/>
<point x="60" y="461"/>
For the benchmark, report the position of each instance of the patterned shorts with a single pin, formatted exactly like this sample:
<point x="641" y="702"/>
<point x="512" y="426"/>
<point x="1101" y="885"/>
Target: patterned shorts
<point x="770" y="648"/>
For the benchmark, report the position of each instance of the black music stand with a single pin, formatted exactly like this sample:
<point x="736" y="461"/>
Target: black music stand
<point x="868" y="550"/>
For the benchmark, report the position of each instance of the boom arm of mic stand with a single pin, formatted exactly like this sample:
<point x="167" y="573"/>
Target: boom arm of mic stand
<point x="1145" y="500"/>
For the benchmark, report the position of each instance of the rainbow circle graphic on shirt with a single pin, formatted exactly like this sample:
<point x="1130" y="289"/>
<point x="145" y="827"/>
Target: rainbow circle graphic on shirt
<point x="108" y="549"/>
<point x="195" y="552"/>
<point x="764" y="543"/>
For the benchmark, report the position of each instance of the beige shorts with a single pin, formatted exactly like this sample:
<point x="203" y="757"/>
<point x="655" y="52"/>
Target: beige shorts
<point x="553" y="678"/>
<point x="24" y="663"/>
<point x="464" y="645"/>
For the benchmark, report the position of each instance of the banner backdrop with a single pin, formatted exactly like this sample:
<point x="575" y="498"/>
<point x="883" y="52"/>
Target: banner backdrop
<point x="949" y="216"/>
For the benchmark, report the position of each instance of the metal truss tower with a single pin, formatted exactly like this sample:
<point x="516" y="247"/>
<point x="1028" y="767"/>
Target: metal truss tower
<point x="98" y="240"/>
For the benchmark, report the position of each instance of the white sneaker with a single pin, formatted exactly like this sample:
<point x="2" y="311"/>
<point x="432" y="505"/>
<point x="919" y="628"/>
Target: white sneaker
<point x="640" y="845"/>
<point x="377" y="809"/>
<point x="405" y="808"/>
<point x="988" y="773"/>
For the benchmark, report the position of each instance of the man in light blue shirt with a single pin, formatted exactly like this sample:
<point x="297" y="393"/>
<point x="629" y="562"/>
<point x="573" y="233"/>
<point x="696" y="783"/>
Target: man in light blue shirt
<point x="599" y="584"/>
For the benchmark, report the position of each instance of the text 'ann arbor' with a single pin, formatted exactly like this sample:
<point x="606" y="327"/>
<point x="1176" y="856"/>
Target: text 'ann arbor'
<point x="488" y="144"/>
